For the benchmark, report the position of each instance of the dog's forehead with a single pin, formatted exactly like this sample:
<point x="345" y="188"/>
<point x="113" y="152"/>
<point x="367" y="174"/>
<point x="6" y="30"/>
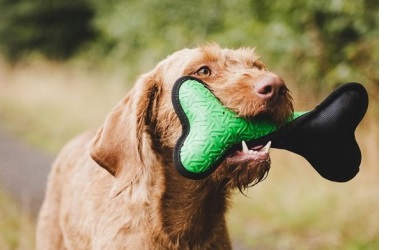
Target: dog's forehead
<point x="179" y="60"/>
<point x="245" y="56"/>
<point x="187" y="61"/>
<point x="242" y="55"/>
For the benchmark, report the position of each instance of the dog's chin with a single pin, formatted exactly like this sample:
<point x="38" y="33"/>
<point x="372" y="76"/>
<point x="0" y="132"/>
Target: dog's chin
<point x="242" y="171"/>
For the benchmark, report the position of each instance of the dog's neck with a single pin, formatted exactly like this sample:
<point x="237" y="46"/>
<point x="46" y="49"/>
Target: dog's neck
<point x="193" y="212"/>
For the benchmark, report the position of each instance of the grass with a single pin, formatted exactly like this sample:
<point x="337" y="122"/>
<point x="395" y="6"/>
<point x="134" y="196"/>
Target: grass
<point x="48" y="103"/>
<point x="16" y="226"/>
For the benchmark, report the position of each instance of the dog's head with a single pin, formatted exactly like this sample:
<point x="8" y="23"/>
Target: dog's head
<point x="144" y="128"/>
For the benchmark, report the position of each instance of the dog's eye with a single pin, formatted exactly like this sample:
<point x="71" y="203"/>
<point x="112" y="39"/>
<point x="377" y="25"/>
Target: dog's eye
<point x="204" y="71"/>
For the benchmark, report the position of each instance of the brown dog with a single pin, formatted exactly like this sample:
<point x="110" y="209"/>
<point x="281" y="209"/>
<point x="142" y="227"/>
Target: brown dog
<point x="118" y="188"/>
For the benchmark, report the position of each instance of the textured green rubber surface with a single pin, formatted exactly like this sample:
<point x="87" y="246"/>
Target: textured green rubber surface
<point x="209" y="128"/>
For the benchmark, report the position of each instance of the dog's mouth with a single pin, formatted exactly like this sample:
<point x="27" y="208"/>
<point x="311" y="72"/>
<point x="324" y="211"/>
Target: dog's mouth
<point x="259" y="153"/>
<point x="245" y="166"/>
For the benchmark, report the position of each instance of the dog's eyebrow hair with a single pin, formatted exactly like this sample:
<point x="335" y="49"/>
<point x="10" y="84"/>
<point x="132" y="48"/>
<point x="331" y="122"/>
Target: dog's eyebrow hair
<point x="232" y="60"/>
<point x="195" y="65"/>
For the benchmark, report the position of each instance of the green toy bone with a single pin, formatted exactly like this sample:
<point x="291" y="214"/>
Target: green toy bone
<point x="210" y="131"/>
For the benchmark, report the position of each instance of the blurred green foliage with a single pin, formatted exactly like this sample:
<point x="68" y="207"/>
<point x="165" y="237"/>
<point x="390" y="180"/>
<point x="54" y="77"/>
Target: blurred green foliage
<point x="320" y="43"/>
<point x="54" y="28"/>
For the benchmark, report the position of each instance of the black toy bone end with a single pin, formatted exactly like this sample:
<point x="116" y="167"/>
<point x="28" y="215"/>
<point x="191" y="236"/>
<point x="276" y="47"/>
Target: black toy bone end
<point x="325" y="136"/>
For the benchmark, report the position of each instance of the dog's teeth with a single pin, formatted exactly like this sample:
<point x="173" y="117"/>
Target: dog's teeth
<point x="267" y="147"/>
<point x="245" y="148"/>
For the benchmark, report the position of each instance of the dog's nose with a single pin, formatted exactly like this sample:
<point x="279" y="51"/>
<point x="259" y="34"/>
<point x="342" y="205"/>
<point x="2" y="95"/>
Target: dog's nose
<point x="270" y="87"/>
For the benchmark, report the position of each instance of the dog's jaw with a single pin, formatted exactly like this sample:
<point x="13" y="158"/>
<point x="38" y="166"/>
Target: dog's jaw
<point x="244" y="168"/>
<point x="243" y="173"/>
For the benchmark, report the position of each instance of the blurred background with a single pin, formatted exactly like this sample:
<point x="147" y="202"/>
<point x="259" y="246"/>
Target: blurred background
<point x="65" y="64"/>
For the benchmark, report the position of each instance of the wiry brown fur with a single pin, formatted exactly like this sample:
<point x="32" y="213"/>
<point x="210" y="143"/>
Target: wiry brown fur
<point x="118" y="188"/>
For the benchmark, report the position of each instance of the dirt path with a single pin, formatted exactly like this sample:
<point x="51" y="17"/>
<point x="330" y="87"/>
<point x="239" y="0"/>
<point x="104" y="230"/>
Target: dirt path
<point x="23" y="171"/>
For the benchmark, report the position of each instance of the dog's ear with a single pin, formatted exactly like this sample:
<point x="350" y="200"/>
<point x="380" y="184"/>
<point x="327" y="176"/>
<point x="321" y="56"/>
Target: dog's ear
<point x="118" y="144"/>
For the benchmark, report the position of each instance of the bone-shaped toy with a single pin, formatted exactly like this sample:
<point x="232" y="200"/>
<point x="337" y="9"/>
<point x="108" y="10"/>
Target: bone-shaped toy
<point x="323" y="136"/>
